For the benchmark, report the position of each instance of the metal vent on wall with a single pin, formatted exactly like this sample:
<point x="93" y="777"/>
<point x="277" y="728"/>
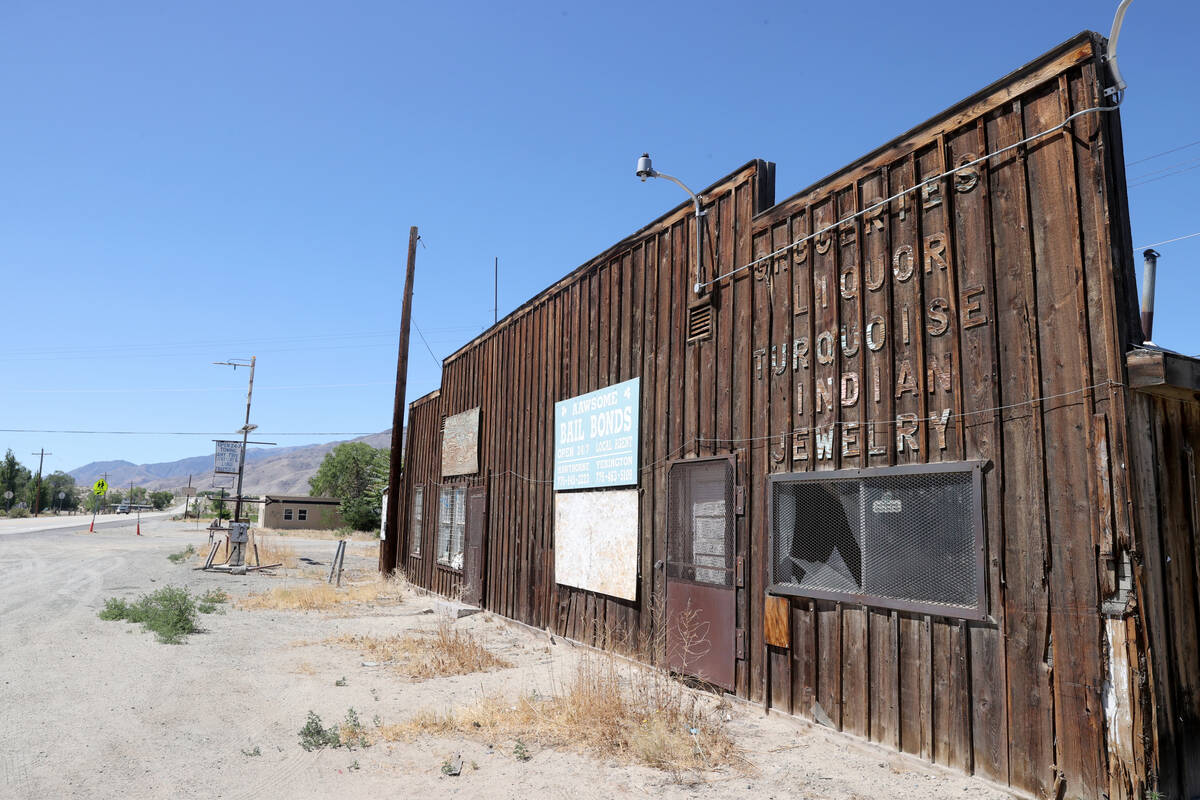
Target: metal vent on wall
<point x="700" y="322"/>
<point x="909" y="538"/>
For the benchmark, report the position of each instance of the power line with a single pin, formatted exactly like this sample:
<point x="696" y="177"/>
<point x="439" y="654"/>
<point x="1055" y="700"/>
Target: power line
<point x="140" y="390"/>
<point x="1163" y="153"/>
<point x="916" y="187"/>
<point x="187" y="433"/>
<point x="436" y="360"/>
<point x="1164" y="169"/>
<point x="1161" y="177"/>
<point x="1167" y="241"/>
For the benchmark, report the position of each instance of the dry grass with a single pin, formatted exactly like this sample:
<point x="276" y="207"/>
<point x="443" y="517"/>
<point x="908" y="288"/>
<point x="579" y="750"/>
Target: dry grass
<point x="354" y="536"/>
<point x="421" y="656"/>
<point x="611" y="709"/>
<point x="273" y="550"/>
<point x="321" y="596"/>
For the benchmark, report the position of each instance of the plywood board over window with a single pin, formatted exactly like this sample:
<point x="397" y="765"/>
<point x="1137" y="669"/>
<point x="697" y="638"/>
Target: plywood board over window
<point x="460" y="444"/>
<point x="596" y="541"/>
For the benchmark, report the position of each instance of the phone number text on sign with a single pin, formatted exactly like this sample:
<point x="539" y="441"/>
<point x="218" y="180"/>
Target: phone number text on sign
<point x="596" y="438"/>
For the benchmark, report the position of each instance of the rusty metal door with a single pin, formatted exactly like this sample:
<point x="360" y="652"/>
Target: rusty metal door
<point x="473" y="560"/>
<point x="700" y="576"/>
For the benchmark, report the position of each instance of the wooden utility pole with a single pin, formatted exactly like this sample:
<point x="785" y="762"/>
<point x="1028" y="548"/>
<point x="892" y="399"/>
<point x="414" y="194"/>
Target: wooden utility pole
<point x="389" y="547"/>
<point x="245" y="431"/>
<point x="37" y="492"/>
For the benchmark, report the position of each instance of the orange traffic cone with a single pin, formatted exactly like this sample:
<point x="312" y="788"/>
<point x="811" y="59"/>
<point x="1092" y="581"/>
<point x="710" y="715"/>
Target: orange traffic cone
<point x="139" y="528"/>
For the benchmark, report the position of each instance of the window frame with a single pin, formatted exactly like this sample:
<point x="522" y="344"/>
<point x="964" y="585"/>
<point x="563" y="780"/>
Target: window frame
<point x="288" y="516"/>
<point x="448" y="562"/>
<point x="418" y="517"/>
<point x="975" y="468"/>
<point x="302" y="515"/>
<point x="732" y="512"/>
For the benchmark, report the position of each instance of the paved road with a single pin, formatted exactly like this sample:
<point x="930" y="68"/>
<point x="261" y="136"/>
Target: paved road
<point x="78" y="521"/>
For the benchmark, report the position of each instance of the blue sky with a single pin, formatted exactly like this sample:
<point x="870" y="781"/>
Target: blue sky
<point x="186" y="183"/>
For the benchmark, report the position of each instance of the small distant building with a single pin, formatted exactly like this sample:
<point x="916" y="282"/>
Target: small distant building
<point x="300" y="513"/>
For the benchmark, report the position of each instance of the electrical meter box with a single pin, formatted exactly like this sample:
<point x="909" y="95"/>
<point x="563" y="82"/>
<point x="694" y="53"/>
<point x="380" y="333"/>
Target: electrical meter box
<point x="239" y="532"/>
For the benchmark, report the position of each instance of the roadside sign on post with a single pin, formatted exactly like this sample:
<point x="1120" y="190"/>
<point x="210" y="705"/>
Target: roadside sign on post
<point x="100" y="487"/>
<point x="189" y="491"/>
<point x="227" y="457"/>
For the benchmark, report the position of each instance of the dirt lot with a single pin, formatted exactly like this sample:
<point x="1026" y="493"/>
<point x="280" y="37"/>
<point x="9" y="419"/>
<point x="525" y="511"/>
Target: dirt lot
<point x="96" y="709"/>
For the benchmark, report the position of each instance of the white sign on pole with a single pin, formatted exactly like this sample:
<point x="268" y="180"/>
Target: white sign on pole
<point x="226" y="460"/>
<point x="222" y="481"/>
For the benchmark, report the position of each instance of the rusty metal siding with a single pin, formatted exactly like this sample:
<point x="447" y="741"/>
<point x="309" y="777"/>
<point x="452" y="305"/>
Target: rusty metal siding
<point x="982" y="318"/>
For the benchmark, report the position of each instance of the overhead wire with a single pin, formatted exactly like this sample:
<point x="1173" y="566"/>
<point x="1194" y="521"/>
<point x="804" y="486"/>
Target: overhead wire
<point x="704" y="440"/>
<point x="184" y="390"/>
<point x="1167" y="241"/>
<point x="1163" y="153"/>
<point x="928" y="181"/>
<point x="186" y="433"/>
<point x="1163" y="177"/>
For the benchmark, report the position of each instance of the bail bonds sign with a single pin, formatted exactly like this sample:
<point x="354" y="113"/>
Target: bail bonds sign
<point x="596" y="438"/>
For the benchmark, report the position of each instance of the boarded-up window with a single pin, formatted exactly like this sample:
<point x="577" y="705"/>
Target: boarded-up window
<point x="415" y="522"/>
<point x="452" y="523"/>
<point x="909" y="537"/>
<point x="700" y="539"/>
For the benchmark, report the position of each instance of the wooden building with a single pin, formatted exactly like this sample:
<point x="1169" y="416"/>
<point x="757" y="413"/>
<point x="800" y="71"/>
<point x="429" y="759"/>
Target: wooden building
<point x="902" y="455"/>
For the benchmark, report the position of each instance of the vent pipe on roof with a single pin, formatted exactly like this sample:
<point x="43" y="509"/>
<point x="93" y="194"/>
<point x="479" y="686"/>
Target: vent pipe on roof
<point x="1148" y="275"/>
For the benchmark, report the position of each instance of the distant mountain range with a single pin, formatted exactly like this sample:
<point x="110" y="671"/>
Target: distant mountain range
<point x="274" y="470"/>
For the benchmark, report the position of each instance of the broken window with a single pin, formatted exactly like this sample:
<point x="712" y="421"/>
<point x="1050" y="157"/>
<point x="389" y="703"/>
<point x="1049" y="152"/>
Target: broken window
<point x="452" y="523"/>
<point x="909" y="538"/>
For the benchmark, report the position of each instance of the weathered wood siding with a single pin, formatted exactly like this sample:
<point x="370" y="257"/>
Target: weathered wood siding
<point x="1165" y="441"/>
<point x="984" y="317"/>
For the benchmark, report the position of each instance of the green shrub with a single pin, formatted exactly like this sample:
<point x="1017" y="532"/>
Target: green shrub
<point x="18" y="513"/>
<point x="170" y="613"/>
<point x="115" y="608"/>
<point x="314" y="735"/>
<point x="350" y="733"/>
<point x="214" y="596"/>
<point x="182" y="554"/>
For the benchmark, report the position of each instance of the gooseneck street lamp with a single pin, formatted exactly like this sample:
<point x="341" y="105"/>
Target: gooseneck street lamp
<point x="646" y="170"/>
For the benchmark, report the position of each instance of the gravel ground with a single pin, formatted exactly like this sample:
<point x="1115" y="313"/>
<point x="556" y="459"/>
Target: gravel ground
<point x="93" y="709"/>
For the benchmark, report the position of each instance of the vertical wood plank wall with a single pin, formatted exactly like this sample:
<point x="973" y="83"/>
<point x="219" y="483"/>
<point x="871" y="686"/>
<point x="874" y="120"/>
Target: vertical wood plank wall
<point x="984" y="317"/>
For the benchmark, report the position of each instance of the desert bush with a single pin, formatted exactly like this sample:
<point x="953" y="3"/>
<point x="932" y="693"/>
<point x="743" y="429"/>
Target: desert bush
<point x="18" y="512"/>
<point x="421" y="656"/>
<point x="350" y="733"/>
<point x="175" y="558"/>
<point x="170" y="612"/>
<point x="608" y="708"/>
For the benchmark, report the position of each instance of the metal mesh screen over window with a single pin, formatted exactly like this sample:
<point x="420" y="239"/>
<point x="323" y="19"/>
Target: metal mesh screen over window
<point x="899" y="537"/>
<point x="700" y="523"/>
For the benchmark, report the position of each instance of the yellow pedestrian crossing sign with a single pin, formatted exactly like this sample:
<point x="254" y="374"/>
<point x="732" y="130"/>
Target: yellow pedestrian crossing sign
<point x="100" y="487"/>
